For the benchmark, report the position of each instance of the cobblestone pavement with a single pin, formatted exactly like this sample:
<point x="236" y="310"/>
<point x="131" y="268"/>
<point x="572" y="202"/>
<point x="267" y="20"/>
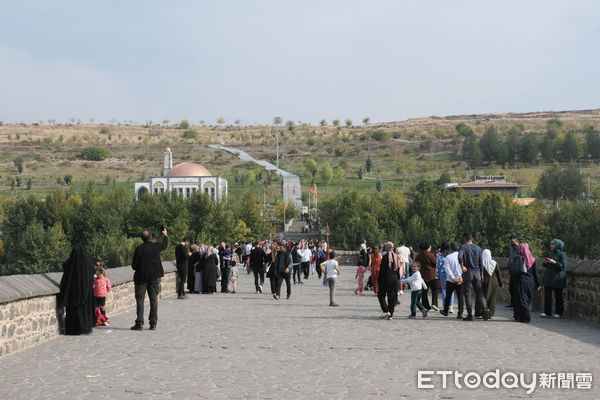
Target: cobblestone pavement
<point x="247" y="345"/>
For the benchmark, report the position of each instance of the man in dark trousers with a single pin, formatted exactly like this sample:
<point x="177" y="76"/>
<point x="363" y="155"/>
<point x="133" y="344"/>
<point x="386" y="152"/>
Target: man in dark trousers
<point x="181" y="260"/>
<point x="148" y="271"/>
<point x="257" y="263"/>
<point x="469" y="257"/>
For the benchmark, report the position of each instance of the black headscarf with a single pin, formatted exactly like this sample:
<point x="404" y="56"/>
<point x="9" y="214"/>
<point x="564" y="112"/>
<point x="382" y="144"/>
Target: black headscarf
<point x="78" y="278"/>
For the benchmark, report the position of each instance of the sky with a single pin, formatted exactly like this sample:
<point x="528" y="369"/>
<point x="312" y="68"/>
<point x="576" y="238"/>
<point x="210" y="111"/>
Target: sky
<point x="301" y="60"/>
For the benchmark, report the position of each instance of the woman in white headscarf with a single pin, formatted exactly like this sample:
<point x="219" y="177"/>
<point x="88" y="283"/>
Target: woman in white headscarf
<point x="491" y="281"/>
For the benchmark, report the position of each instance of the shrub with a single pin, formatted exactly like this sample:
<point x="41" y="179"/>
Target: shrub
<point x="104" y="130"/>
<point x="379" y="135"/>
<point x="94" y="153"/>
<point x="184" y="124"/>
<point x="190" y="134"/>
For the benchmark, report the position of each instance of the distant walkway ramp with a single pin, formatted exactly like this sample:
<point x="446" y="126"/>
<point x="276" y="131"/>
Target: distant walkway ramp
<point x="291" y="182"/>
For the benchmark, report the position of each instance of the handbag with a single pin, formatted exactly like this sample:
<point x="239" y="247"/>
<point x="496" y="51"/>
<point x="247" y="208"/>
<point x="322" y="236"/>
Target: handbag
<point x="517" y="266"/>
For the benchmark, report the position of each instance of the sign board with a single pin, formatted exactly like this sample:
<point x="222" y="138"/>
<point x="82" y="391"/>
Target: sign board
<point x="497" y="178"/>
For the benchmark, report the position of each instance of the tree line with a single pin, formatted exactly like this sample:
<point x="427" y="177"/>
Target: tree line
<point x="37" y="235"/>
<point x="434" y="217"/>
<point x="555" y="144"/>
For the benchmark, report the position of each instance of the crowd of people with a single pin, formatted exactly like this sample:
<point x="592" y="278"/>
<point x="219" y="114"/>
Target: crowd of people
<point x="465" y="272"/>
<point x="467" y="276"/>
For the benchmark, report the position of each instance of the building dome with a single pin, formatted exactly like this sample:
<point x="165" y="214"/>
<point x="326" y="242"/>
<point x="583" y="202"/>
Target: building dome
<point x="188" y="169"/>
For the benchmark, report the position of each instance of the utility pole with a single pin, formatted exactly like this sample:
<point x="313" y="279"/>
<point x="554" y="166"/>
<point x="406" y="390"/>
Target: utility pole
<point x="277" y="141"/>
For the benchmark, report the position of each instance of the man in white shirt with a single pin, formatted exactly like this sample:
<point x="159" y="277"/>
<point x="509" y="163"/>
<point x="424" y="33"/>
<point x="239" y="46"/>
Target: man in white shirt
<point x="305" y="255"/>
<point x="453" y="280"/>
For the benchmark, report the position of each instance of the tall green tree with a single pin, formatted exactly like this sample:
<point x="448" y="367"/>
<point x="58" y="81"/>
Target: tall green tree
<point x="592" y="141"/>
<point x="471" y="152"/>
<point x="490" y="144"/>
<point x="528" y="149"/>
<point x="570" y="150"/>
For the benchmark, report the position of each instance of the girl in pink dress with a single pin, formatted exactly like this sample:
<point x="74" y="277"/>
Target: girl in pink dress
<point x="360" y="275"/>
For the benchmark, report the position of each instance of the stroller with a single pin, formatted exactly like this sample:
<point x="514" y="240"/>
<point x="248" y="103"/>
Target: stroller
<point x="369" y="284"/>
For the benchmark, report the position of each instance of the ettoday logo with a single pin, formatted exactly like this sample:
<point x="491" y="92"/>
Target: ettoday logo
<point x="506" y="380"/>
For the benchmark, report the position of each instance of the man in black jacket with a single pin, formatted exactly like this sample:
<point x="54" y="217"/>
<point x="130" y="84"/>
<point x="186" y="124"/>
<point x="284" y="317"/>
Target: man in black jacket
<point x="257" y="263"/>
<point x="148" y="271"/>
<point x="181" y="261"/>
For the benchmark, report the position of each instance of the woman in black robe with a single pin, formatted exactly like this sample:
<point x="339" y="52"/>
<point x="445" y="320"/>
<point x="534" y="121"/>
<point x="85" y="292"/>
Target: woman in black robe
<point x="387" y="281"/>
<point x="524" y="285"/>
<point x="76" y="292"/>
<point x="209" y="271"/>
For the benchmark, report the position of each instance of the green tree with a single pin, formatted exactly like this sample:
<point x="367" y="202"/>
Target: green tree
<point x="379" y="185"/>
<point x="464" y="130"/>
<point x="490" y="144"/>
<point x="471" y="152"/>
<point x="379" y="135"/>
<point x="444" y="178"/>
<point x="277" y="121"/>
<point x="336" y="122"/>
<point x="547" y="149"/>
<point x="528" y="149"/>
<point x="557" y="183"/>
<point x="311" y="167"/>
<point x="570" y="149"/>
<point x="327" y="174"/>
<point x="18" y="162"/>
<point x="94" y="153"/>
<point x="360" y="173"/>
<point x="366" y="120"/>
<point x="184" y="124"/>
<point x="190" y="134"/>
<point x="339" y="174"/>
<point x="369" y="164"/>
<point x="592" y="139"/>
<point x="68" y="179"/>
<point x="323" y="122"/>
<point x="553" y="127"/>
<point x="348" y="122"/>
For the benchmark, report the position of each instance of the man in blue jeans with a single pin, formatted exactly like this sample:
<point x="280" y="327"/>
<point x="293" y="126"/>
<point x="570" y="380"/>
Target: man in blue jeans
<point x="469" y="257"/>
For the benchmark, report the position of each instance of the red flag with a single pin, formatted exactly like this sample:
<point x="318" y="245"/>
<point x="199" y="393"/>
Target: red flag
<point x="285" y="204"/>
<point x="328" y="231"/>
<point x="294" y="188"/>
<point x="266" y="191"/>
<point x="310" y="190"/>
<point x="316" y="193"/>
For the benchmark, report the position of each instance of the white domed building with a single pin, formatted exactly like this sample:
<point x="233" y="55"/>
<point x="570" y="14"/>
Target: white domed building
<point x="184" y="179"/>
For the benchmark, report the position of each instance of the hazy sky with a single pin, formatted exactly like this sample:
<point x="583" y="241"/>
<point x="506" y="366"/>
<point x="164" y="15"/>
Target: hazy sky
<point x="301" y="60"/>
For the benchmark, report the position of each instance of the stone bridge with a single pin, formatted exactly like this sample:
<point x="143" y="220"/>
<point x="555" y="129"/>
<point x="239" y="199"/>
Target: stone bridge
<point x="250" y="346"/>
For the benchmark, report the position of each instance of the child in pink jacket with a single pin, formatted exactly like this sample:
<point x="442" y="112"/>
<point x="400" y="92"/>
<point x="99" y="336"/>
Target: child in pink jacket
<point x="101" y="287"/>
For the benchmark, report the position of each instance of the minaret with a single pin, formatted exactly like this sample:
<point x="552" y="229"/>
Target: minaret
<point x="167" y="161"/>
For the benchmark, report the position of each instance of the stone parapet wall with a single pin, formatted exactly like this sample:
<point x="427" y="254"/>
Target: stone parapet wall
<point x="581" y="296"/>
<point x="30" y="314"/>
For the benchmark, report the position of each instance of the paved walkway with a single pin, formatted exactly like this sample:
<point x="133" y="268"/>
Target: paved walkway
<point x="250" y="346"/>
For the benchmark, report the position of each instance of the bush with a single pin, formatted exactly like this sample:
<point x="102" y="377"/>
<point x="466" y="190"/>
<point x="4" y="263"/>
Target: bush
<point x="190" y="134"/>
<point x="104" y="130"/>
<point x="379" y="135"/>
<point x="94" y="153"/>
<point x="184" y="124"/>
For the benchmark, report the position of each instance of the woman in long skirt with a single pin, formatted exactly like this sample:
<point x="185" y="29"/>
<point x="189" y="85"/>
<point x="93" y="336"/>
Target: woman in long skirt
<point x="491" y="281"/>
<point x="76" y="292"/>
<point x="523" y="285"/>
